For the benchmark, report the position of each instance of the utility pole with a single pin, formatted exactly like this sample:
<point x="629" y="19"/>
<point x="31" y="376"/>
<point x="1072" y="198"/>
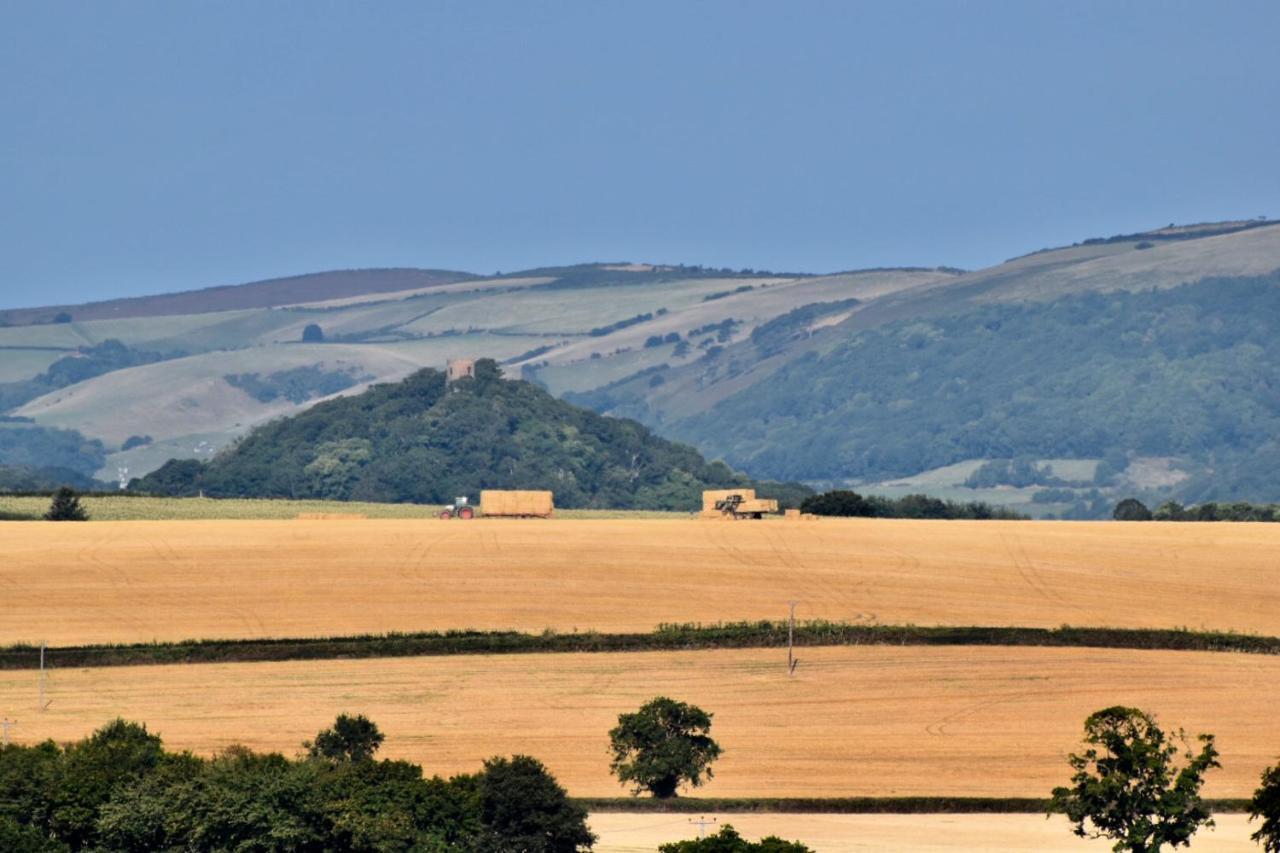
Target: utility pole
<point x="703" y="823"/>
<point x="792" y="660"/>
<point x="43" y="705"/>
<point x="4" y="724"/>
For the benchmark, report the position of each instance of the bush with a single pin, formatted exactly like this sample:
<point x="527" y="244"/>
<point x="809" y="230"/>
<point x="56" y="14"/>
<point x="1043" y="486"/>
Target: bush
<point x="312" y="334"/>
<point x="66" y="507"/>
<point x="1131" y="509"/>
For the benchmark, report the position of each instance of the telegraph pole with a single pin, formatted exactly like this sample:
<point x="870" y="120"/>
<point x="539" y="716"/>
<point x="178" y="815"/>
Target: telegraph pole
<point x="4" y="724"/>
<point x="703" y="823"/>
<point x="792" y="660"/>
<point x="43" y="676"/>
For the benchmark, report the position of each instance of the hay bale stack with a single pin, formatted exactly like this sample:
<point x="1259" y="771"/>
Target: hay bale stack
<point x="710" y="496"/>
<point x="516" y="503"/>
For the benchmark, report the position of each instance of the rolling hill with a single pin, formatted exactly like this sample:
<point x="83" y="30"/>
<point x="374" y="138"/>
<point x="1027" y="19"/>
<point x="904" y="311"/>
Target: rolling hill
<point x="1138" y="363"/>
<point x="424" y="441"/>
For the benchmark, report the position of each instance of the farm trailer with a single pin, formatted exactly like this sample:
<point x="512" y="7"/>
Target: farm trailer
<point x="735" y="504"/>
<point x="502" y="503"/>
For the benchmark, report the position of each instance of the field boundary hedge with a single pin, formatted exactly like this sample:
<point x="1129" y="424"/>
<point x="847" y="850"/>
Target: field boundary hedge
<point x="849" y="805"/>
<point x="691" y="637"/>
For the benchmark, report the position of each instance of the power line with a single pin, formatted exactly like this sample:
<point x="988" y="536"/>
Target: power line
<point x="703" y="823"/>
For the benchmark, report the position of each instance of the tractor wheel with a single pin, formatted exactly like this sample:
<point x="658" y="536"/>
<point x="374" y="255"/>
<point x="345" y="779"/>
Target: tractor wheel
<point x="446" y="514"/>
<point x="466" y="512"/>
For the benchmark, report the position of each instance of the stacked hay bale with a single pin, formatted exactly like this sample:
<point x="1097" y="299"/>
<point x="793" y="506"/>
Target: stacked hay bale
<point x="516" y="503"/>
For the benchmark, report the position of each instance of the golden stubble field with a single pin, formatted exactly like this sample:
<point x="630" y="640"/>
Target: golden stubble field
<point x="871" y="720"/>
<point x="901" y="833"/>
<point x="170" y="580"/>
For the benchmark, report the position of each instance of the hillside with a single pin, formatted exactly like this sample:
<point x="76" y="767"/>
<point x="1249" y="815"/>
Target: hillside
<point x="423" y="441"/>
<point x="1144" y="359"/>
<point x="892" y="380"/>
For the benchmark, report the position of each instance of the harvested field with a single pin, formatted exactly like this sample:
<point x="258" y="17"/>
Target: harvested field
<point x="143" y="581"/>
<point x="835" y="833"/>
<point x="867" y="721"/>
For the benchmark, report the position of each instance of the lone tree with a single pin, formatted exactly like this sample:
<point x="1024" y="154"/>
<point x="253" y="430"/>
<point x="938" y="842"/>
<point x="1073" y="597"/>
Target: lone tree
<point x="349" y="740"/>
<point x="1266" y="805"/>
<point x="312" y="333"/>
<point x="66" y="507"/>
<point x="1127" y="787"/>
<point x="663" y="745"/>
<point x="1131" y="509"/>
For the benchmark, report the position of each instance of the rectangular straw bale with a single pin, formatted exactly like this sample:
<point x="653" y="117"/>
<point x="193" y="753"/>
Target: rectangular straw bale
<point x="500" y="502"/>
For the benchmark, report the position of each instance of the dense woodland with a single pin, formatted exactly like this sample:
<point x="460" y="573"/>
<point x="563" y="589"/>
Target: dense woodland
<point x="1187" y="372"/>
<point x="423" y="441"/>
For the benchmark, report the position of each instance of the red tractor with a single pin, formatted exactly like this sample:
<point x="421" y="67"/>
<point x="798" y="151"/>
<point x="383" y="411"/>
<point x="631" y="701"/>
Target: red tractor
<point x="459" y="508"/>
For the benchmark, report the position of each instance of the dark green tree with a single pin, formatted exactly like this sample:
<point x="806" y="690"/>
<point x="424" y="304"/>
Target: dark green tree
<point x="1265" y="806"/>
<point x="662" y="746"/>
<point x="522" y="807"/>
<point x="349" y="739"/>
<point x="1127" y="786"/>
<point x="312" y="334"/>
<point x="66" y="507"/>
<point x="727" y="840"/>
<point x="1131" y="509"/>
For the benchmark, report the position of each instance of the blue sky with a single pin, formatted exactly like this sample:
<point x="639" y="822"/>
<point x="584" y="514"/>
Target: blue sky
<point x="157" y="146"/>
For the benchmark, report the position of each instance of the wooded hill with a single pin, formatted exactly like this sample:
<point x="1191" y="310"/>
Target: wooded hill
<point x="425" y="441"/>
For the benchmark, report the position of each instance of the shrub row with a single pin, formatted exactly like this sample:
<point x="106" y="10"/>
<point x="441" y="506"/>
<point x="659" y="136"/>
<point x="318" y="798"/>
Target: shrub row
<point x="737" y="635"/>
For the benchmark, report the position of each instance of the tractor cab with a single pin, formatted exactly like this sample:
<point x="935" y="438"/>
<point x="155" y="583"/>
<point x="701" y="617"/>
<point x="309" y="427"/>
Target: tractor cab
<point x="459" y="508"/>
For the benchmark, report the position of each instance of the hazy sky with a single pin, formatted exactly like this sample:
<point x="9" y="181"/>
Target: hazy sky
<point x="154" y="146"/>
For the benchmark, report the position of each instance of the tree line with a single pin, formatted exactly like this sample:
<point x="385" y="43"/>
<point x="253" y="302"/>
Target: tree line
<point x="1132" y="509"/>
<point x="843" y="502"/>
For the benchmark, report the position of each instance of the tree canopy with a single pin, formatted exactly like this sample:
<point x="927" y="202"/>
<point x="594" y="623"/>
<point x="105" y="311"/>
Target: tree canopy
<point x="663" y="745"/>
<point x="1128" y="785"/>
<point x="425" y="441"/>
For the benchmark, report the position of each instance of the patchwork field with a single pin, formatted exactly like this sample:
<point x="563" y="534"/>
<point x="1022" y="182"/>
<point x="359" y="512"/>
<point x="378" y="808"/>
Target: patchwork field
<point x="172" y="580"/>
<point x="853" y="721"/>
<point x="850" y="833"/>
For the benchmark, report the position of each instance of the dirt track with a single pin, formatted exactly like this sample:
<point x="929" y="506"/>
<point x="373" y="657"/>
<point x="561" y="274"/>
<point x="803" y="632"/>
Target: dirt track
<point x="853" y="721"/>
<point x="141" y="581"/>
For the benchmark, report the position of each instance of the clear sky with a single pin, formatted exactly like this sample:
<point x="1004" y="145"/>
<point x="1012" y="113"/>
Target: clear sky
<point x="157" y="146"/>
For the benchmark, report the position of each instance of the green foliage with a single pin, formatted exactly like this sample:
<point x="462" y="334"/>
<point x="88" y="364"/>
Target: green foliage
<point x="733" y="635"/>
<point x="87" y="363"/>
<point x="1020" y="473"/>
<point x="312" y="333"/>
<point x="727" y="840"/>
<point x="421" y="441"/>
<point x="350" y="739"/>
<point x="119" y="790"/>
<point x="842" y="502"/>
<point x="45" y="448"/>
<point x="1265" y="806"/>
<point x="296" y="385"/>
<point x="1187" y="372"/>
<point x="31" y="479"/>
<point x="1131" y="509"/>
<point x="1127" y="787"/>
<point x="1238" y="511"/>
<point x="662" y="746"/>
<point x="66" y="507"/>
<point x="522" y="807"/>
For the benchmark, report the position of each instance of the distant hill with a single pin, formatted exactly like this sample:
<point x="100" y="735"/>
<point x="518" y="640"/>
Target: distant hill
<point x="885" y="379"/>
<point x="259" y="294"/>
<point x="423" y="441"/>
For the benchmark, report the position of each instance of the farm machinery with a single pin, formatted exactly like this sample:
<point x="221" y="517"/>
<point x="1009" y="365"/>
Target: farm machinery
<point x="736" y="504"/>
<point x="504" y="503"/>
<point x="458" y="509"/>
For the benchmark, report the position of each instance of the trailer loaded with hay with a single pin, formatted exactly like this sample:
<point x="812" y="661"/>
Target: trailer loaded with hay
<point x="736" y="504"/>
<point x="504" y="503"/>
